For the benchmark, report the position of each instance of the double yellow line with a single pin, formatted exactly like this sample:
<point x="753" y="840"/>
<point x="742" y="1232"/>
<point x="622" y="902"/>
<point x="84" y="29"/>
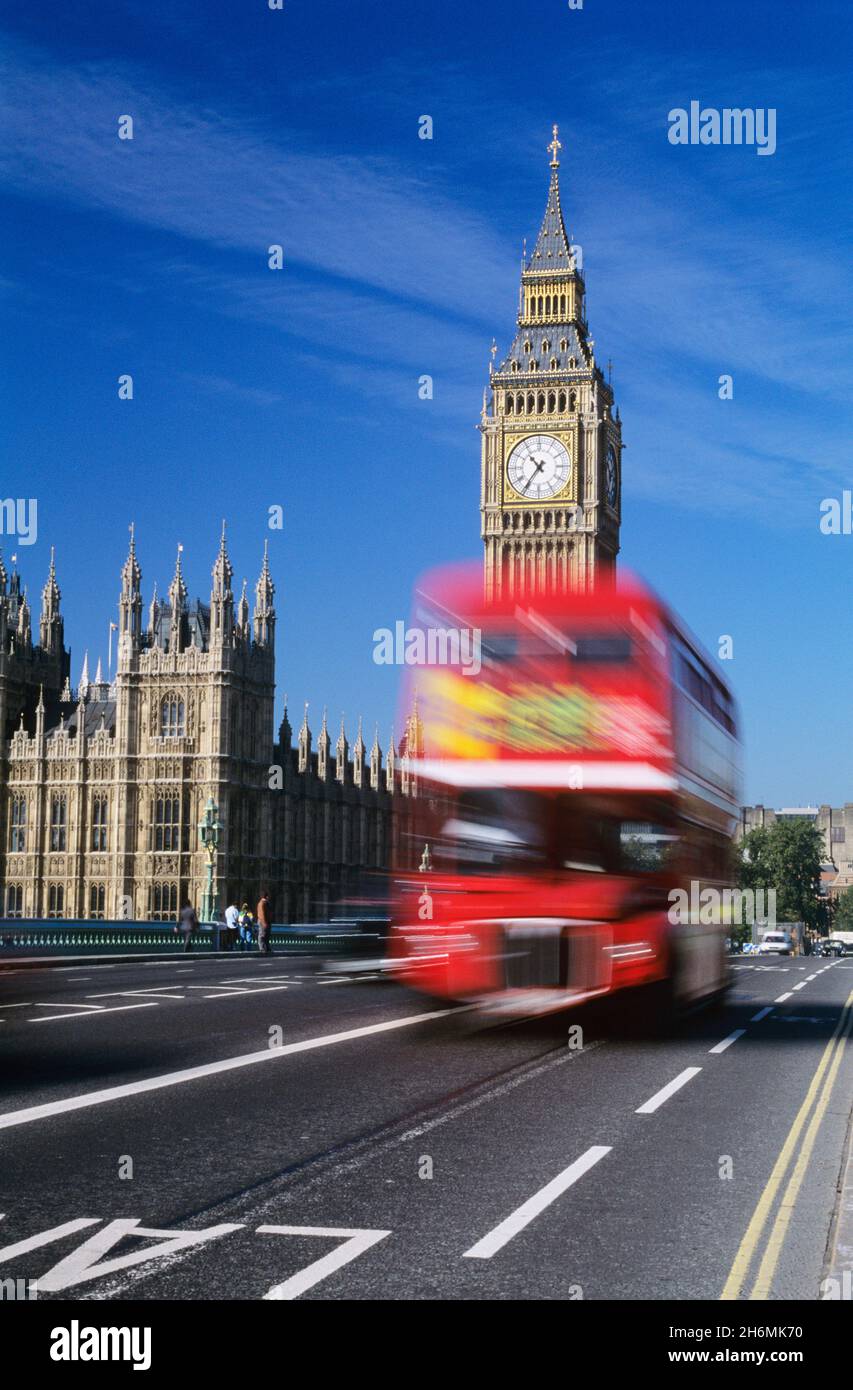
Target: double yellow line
<point x="817" y="1096"/>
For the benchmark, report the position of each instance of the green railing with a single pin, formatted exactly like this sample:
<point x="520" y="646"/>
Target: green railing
<point x="19" y="938"/>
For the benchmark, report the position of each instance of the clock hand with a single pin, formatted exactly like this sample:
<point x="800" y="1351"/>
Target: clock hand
<point x="537" y="468"/>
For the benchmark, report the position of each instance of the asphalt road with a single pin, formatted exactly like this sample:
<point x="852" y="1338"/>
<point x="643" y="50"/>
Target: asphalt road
<point x="279" y="1133"/>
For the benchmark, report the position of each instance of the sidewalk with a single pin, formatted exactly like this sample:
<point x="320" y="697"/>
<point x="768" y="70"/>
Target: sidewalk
<point x="838" y="1283"/>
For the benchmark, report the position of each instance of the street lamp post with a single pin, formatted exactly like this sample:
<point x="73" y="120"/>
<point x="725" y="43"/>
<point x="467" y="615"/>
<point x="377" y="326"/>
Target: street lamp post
<point x="208" y="834"/>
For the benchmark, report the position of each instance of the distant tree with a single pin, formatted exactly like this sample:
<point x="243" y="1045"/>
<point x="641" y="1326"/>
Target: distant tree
<point x="786" y="857"/>
<point x="842" y="917"/>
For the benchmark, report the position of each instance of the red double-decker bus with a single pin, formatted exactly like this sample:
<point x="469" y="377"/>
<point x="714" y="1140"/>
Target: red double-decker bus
<point x="575" y="759"/>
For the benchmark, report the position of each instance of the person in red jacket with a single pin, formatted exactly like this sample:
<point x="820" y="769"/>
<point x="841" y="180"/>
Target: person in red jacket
<point x="264" y="916"/>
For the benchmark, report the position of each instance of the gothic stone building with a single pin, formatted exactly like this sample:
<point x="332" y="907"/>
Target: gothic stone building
<point x="102" y="789"/>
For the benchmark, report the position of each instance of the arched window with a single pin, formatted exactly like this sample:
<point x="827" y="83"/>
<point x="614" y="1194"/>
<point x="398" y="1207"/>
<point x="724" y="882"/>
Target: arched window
<point x="163" y="902"/>
<point x="546" y="346"/>
<point x="563" y="305"/>
<point x="172" y="717"/>
<point x="510" y="405"/>
<point x="58" y="823"/>
<point x="514" y="366"/>
<point x="553" y="364"/>
<point x="564" y="344"/>
<point x="99" y="822"/>
<point x="531" y="405"/>
<point x="573" y="362"/>
<point x="552" y="403"/>
<point x="573" y="401"/>
<point x="541" y="306"/>
<point x="55" y="900"/>
<point x="167" y="822"/>
<point x="15" y="900"/>
<point x="561" y="405"/>
<point x="97" y="902"/>
<point x="18" y="826"/>
<point x="540" y="403"/>
<point x="547" y="304"/>
<point x="519" y="405"/>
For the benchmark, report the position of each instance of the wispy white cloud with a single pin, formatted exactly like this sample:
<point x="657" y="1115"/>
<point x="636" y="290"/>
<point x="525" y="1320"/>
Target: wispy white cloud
<point x="395" y="269"/>
<point x="212" y="178"/>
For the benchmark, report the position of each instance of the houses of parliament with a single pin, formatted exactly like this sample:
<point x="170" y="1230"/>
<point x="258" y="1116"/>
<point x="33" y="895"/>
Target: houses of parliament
<point x="103" y="787"/>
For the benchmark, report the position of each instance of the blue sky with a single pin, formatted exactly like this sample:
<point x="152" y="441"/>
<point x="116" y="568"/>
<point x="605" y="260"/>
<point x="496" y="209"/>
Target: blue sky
<point x="299" y="387"/>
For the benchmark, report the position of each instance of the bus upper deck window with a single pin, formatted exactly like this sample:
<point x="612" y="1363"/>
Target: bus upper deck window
<point x="614" y="649"/>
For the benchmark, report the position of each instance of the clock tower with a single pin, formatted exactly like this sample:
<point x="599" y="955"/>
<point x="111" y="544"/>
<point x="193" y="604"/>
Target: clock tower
<point x="552" y="442"/>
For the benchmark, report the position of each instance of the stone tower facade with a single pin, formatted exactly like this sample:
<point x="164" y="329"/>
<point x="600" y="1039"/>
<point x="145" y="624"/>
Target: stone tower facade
<point x="551" y="439"/>
<point x="102" y="789"/>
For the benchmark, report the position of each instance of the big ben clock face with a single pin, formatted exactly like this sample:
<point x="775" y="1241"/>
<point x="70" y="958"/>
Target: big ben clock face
<point x="539" y="467"/>
<point x="610" y="477"/>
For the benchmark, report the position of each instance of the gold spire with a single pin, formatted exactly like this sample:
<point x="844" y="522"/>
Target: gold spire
<point x="555" y="148"/>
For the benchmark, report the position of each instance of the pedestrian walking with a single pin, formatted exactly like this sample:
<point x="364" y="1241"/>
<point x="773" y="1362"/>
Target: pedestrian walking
<point x="188" y="925"/>
<point x="264" y="924"/>
<point x="232" y="918"/>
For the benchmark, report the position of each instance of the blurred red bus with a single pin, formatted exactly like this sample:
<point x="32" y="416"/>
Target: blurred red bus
<point x="575" y="759"/>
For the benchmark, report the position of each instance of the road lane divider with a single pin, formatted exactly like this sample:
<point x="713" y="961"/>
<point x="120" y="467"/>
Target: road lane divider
<point x="12" y="1118"/>
<point x="829" y="1062"/>
<point x="727" y="1042"/>
<point x="762" y="1013"/>
<point x="535" y="1205"/>
<point x="661" y="1097"/>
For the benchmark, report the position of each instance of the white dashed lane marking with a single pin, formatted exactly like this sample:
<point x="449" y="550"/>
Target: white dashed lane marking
<point x="529" y="1210"/>
<point x="727" y="1042"/>
<point x="661" y="1097"/>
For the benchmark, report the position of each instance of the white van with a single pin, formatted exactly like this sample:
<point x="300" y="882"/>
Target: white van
<point x="775" y="943"/>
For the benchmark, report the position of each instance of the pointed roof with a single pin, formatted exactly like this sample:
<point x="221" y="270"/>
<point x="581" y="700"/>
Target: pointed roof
<point x="285" y="732"/>
<point x="552" y="250"/>
<point x="24" y="617"/>
<point x="222" y="570"/>
<point x="50" y="594"/>
<point x="323" y="736"/>
<point x="304" y="731"/>
<point x="341" y="746"/>
<point x="177" y="588"/>
<point x="359" y="739"/>
<point x="99" y="675"/>
<point x="84" y="676"/>
<point x="264" y="589"/>
<point x="131" y="574"/>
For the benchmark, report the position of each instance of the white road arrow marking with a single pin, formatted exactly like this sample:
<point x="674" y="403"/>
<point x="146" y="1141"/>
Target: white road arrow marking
<point x="354" y="1244"/>
<point x="68" y="1228"/>
<point x="85" y="1262"/>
